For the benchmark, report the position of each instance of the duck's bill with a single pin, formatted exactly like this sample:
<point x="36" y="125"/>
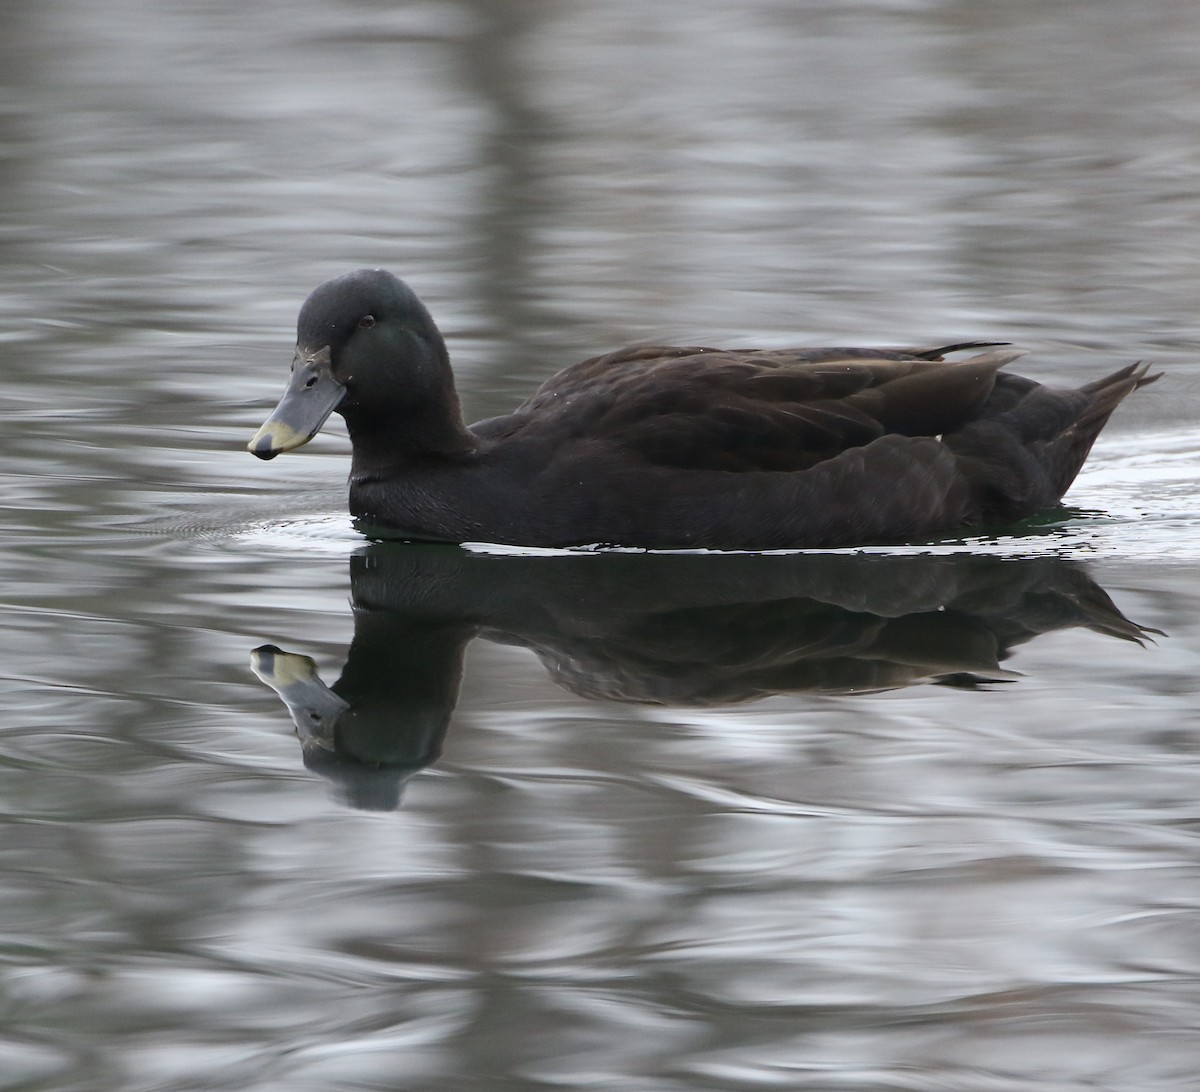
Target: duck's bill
<point x="315" y="708"/>
<point x="312" y="395"/>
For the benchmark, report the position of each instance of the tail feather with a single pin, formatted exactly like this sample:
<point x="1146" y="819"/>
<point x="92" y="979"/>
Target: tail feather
<point x="1106" y="395"/>
<point x="1065" y="455"/>
<point x="1138" y="371"/>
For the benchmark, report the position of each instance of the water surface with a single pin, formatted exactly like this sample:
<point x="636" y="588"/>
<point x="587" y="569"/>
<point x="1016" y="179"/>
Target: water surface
<point x="911" y="819"/>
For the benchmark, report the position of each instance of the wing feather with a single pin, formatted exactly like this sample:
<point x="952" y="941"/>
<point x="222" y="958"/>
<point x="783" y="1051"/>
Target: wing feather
<point x="744" y="410"/>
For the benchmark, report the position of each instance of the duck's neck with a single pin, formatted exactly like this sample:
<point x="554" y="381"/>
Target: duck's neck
<point x="391" y="443"/>
<point x="383" y="448"/>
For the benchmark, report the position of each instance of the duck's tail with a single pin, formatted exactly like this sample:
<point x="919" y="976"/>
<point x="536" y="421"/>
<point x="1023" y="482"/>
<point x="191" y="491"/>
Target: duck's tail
<point x="1070" y="449"/>
<point x="1109" y="392"/>
<point x="1029" y="442"/>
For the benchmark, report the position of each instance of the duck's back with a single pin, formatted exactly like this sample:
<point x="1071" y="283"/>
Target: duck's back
<point x="800" y="447"/>
<point x="692" y="408"/>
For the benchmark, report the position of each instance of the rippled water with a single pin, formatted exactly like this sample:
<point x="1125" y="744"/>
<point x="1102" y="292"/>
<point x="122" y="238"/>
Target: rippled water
<point x="902" y="819"/>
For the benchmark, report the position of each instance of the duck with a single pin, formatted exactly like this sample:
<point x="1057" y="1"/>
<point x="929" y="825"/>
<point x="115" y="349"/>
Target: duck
<point x="682" y="447"/>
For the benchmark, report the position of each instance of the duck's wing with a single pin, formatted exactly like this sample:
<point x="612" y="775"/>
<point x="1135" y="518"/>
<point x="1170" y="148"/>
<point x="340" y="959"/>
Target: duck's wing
<point x="706" y="409"/>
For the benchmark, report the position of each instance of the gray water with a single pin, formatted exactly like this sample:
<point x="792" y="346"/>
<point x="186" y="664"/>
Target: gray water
<point x="911" y="820"/>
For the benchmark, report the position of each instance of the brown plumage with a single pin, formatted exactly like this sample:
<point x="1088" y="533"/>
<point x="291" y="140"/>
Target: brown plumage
<point x="668" y="446"/>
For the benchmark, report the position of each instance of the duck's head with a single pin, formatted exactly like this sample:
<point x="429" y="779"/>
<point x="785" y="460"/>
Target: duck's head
<point x="364" y="345"/>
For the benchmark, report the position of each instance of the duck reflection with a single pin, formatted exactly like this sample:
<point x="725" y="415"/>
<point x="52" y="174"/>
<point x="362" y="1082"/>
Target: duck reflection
<point x="668" y="629"/>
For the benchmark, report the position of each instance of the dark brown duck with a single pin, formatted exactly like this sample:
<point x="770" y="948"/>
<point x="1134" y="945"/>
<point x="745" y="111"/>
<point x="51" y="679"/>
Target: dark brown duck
<point x="682" y="447"/>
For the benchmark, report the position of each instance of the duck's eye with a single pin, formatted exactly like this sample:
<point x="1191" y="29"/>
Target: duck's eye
<point x="366" y="322"/>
